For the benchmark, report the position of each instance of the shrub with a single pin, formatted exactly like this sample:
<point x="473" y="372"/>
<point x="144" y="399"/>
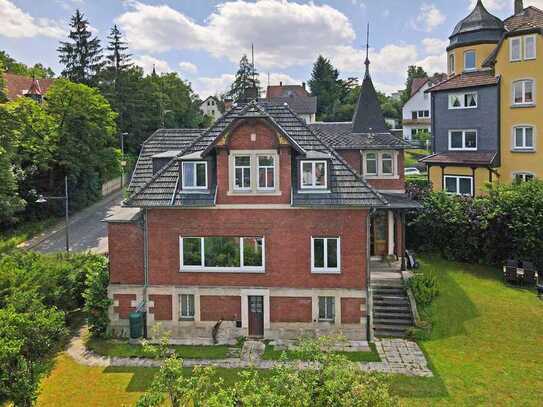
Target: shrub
<point x="424" y="286"/>
<point x="417" y="187"/>
<point x="96" y="300"/>
<point x="505" y="223"/>
<point x="331" y="380"/>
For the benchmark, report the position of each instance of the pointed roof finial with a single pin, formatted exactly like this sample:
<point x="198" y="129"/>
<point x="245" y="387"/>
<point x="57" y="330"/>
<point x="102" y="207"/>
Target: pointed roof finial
<point x="367" y="62"/>
<point x="154" y="70"/>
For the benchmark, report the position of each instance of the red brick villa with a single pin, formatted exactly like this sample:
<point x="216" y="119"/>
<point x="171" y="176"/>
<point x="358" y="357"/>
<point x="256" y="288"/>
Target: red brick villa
<point x="262" y="221"/>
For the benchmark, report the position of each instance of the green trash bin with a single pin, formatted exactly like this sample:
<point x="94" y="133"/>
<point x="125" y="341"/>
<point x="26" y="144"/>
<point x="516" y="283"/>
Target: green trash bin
<point x="136" y="322"/>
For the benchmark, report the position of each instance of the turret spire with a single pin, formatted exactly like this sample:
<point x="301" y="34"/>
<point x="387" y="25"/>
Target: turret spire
<point x="367" y="62"/>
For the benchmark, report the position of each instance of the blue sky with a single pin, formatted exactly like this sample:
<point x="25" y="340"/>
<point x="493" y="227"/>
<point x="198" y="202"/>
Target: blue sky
<point x="204" y="39"/>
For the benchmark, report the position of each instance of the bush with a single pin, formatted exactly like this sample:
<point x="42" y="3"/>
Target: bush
<point x="418" y="187"/>
<point x="424" y="286"/>
<point x="505" y="223"/>
<point x="96" y="300"/>
<point x="332" y="380"/>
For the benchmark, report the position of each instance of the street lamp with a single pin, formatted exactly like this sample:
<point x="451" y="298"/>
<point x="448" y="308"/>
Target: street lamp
<point x="44" y="199"/>
<point x="123" y="161"/>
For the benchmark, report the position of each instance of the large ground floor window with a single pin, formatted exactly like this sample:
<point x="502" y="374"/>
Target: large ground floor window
<point x="229" y="254"/>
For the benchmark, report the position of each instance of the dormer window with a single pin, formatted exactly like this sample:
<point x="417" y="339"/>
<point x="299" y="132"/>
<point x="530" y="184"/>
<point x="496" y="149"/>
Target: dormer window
<point x="194" y="175"/>
<point x="314" y="174"/>
<point x="242" y="169"/>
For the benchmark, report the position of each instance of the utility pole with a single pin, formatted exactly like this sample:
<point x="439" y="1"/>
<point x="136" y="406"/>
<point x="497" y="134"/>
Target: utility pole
<point x="65" y="198"/>
<point x="123" y="161"/>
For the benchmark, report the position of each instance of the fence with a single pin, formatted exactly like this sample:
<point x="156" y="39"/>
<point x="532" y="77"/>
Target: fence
<point x="111" y="186"/>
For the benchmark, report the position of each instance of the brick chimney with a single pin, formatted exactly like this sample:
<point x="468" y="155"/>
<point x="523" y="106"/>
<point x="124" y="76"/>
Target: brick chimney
<point x="519" y="6"/>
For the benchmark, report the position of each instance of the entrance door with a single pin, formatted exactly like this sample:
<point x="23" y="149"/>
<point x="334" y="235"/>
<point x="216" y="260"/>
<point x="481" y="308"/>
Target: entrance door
<point x="379" y="229"/>
<point x="256" y="315"/>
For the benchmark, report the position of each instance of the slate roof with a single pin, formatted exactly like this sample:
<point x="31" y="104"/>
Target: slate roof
<point x="368" y="116"/>
<point x="467" y="80"/>
<point x="531" y="17"/>
<point x="299" y="104"/>
<point x="340" y="136"/>
<point x="478" y="19"/>
<point x="160" y="141"/>
<point x="461" y="157"/>
<point x="347" y="188"/>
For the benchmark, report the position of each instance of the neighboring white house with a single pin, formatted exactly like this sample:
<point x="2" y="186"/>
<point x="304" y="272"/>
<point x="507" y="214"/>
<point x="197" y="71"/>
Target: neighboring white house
<point x="210" y="107"/>
<point x="417" y="111"/>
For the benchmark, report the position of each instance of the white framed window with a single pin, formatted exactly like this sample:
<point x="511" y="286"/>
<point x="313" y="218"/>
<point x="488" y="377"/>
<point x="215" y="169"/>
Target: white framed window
<point x="470" y="60"/>
<point x="530" y="47"/>
<point x="523" y="177"/>
<point x="314" y="174"/>
<point x="266" y="172"/>
<point x="523" y="138"/>
<point x="467" y="100"/>
<point x="387" y="164"/>
<point x="524" y="92"/>
<point x="194" y="174"/>
<point x="242" y="172"/>
<point x="370" y="164"/>
<point x="463" y="140"/>
<point x="325" y="255"/>
<point x="327" y="309"/>
<point x="186" y="307"/>
<point x="515" y="49"/>
<point x="222" y="254"/>
<point x="458" y="185"/>
<point x="451" y="63"/>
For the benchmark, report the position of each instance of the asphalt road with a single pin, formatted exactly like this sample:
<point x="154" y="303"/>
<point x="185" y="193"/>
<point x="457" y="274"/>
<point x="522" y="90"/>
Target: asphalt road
<point x="87" y="231"/>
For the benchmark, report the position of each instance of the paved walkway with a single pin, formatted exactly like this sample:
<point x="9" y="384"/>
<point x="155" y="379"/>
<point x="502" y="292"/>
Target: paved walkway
<point x="397" y="356"/>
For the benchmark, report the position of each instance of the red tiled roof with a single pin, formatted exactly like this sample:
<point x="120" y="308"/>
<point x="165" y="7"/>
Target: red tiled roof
<point x="276" y="91"/>
<point x="461" y="157"/>
<point x="467" y="80"/>
<point x="417" y="84"/>
<point x="531" y="17"/>
<point x="19" y="85"/>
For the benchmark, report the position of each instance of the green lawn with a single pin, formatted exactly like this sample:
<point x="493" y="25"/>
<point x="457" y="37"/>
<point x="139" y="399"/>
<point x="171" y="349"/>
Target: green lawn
<point x="272" y="354"/>
<point x="413" y="155"/>
<point x="125" y="350"/>
<point x="486" y="349"/>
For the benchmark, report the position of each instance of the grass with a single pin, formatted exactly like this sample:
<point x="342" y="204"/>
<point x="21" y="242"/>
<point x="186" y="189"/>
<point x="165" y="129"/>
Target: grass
<point x="272" y="354"/>
<point x="126" y="350"/>
<point x="413" y="155"/>
<point x="11" y="238"/>
<point x="486" y="349"/>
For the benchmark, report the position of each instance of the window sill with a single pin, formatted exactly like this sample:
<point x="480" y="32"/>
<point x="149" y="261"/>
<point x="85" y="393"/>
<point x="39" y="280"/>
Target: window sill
<point x="523" y="106"/>
<point x="462" y="149"/>
<point x="186" y="319"/>
<point x="195" y="191"/>
<point x="222" y="270"/>
<point x="326" y="321"/>
<point x="255" y="193"/>
<point x="382" y="176"/>
<point x="523" y="150"/>
<point x="325" y="271"/>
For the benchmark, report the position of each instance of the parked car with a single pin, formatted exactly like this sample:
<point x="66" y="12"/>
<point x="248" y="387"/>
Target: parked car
<point x="412" y="171"/>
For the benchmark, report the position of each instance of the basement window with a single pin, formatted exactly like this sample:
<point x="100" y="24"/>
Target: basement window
<point x="186" y="305"/>
<point x="327" y="309"/>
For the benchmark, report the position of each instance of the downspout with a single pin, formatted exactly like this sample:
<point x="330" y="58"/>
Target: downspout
<point x="145" y="267"/>
<point x="369" y="293"/>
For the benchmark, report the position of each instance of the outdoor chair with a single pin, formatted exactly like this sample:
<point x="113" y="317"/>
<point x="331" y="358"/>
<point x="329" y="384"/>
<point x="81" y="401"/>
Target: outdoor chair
<point x="530" y="273"/>
<point x="510" y="271"/>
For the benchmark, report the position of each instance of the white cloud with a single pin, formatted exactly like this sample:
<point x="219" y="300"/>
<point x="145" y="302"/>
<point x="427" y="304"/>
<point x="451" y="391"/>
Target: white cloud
<point x="434" y="45"/>
<point x="188" y="67"/>
<point x="207" y="86"/>
<point x="15" y="23"/>
<point x="429" y="18"/>
<point x="434" y="63"/>
<point x="280" y="30"/>
<point x="535" y="3"/>
<point x="147" y="62"/>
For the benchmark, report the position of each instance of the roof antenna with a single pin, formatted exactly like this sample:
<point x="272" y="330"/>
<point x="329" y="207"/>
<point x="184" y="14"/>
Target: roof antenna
<point x="367" y="62"/>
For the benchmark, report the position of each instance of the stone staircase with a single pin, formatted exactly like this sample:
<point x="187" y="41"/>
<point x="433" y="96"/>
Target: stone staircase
<point x="391" y="309"/>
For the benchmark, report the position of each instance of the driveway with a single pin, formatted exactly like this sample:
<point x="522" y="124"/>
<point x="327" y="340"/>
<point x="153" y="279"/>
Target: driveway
<point x="87" y="231"/>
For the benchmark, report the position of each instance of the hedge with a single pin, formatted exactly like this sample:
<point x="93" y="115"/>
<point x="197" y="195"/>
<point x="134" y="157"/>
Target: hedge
<point x="506" y="222"/>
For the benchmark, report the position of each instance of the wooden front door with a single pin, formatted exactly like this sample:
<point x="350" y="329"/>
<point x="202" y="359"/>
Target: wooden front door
<point x="379" y="231"/>
<point x="256" y="315"/>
